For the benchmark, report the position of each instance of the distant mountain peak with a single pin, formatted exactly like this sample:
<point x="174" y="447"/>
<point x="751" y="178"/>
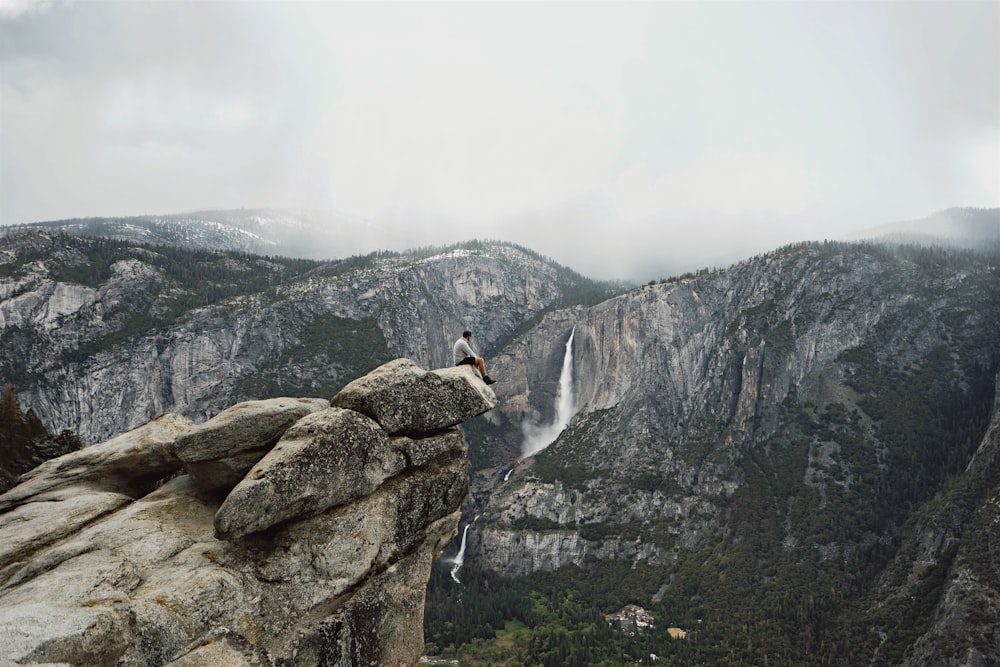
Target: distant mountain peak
<point x="965" y="227"/>
<point x="288" y="232"/>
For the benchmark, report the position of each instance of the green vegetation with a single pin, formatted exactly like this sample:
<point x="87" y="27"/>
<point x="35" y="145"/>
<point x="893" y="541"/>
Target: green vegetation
<point x="215" y="274"/>
<point x="570" y="461"/>
<point x="18" y="369"/>
<point x="24" y="440"/>
<point x="331" y="351"/>
<point x="549" y="618"/>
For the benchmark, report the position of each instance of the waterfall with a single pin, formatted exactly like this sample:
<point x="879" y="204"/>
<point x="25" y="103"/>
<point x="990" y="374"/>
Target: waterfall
<point x="460" y="558"/>
<point x="564" y="398"/>
<point x="537" y="438"/>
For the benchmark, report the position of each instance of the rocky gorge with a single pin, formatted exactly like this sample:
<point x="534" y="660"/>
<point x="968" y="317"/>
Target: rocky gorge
<point x="804" y="416"/>
<point x="799" y="450"/>
<point x="283" y="531"/>
<point x="676" y="383"/>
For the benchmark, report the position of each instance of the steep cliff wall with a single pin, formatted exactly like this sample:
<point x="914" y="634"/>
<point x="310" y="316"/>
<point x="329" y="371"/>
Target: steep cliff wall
<point x="799" y="451"/>
<point x="279" y="532"/>
<point x="103" y="338"/>
<point x="681" y="386"/>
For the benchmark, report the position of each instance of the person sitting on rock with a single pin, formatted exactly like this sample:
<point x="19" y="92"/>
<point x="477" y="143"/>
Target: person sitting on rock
<point x="464" y="354"/>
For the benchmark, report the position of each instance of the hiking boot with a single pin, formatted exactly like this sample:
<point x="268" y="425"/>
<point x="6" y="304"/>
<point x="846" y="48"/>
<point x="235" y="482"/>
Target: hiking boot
<point x="488" y="380"/>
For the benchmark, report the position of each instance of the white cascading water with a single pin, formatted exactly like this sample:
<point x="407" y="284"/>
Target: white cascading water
<point x="460" y="557"/>
<point x="537" y="438"/>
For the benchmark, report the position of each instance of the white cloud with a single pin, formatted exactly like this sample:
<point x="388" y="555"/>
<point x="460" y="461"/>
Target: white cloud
<point x="719" y="183"/>
<point x="12" y="9"/>
<point x="586" y="130"/>
<point x="982" y="164"/>
<point x="477" y="152"/>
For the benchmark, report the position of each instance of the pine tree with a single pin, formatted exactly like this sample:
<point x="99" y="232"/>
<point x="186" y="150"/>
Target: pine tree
<point x="24" y="440"/>
<point x="33" y="426"/>
<point x="11" y="419"/>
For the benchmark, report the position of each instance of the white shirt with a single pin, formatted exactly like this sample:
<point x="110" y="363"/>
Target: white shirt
<point x="462" y="350"/>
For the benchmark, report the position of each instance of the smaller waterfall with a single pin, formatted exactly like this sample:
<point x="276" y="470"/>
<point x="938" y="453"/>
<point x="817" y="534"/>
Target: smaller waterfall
<point x="460" y="558"/>
<point x="537" y="438"/>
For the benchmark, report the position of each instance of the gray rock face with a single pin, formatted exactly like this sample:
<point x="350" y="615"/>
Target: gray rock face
<point x="117" y="555"/>
<point x="387" y="395"/>
<point x="219" y="452"/>
<point x="675" y="383"/>
<point x="326" y="459"/>
<point x="213" y="357"/>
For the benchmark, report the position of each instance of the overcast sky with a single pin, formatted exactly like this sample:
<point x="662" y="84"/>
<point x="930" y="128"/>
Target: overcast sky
<point x="603" y="135"/>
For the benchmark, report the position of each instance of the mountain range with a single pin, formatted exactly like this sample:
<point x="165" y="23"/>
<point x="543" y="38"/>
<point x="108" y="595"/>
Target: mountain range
<point x="796" y="458"/>
<point x="287" y="232"/>
<point x="321" y="235"/>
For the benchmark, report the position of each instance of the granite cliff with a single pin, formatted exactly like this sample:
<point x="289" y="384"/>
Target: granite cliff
<point x="104" y="335"/>
<point x="799" y="449"/>
<point x="676" y="383"/>
<point x="824" y="414"/>
<point x="279" y="532"/>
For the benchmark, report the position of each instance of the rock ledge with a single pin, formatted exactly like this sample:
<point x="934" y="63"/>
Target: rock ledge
<point x="280" y="532"/>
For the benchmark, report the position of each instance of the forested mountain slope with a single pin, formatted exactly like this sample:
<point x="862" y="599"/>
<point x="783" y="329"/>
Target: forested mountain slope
<point x="788" y="447"/>
<point x="287" y="232"/>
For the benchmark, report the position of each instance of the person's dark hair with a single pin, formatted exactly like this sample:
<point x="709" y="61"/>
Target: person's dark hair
<point x="466" y="334"/>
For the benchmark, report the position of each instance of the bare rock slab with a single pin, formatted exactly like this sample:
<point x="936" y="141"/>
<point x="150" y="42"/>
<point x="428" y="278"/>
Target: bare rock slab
<point x="127" y="464"/>
<point x="326" y="459"/>
<point x="320" y="553"/>
<point x="405" y="399"/>
<point x="218" y="453"/>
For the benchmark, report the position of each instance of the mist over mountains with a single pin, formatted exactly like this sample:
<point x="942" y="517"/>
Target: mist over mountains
<point x="795" y="458"/>
<point x="287" y="232"/>
<point x="955" y="227"/>
<point x="318" y="235"/>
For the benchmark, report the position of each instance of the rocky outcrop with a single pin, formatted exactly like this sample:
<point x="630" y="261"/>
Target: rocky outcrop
<point x="218" y="453"/>
<point x="424" y="410"/>
<point x="143" y="550"/>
